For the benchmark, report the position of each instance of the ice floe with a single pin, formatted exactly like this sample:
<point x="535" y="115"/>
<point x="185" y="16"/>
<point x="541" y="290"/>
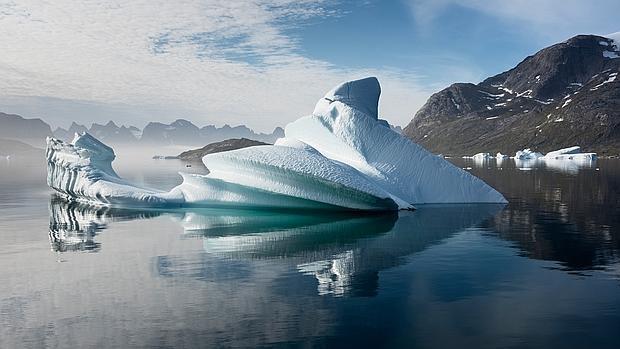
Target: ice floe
<point x="569" y="159"/>
<point x="340" y="157"/>
<point x="527" y="154"/>
<point x="570" y="153"/>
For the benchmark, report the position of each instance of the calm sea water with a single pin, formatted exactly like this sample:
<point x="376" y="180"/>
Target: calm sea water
<point x="540" y="272"/>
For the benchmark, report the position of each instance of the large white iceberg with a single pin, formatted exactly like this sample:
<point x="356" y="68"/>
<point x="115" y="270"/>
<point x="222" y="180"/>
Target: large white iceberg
<point x="340" y="157"/>
<point x="569" y="159"/>
<point x="570" y="153"/>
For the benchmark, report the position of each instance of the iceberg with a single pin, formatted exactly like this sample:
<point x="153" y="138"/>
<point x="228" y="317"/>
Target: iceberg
<point x="342" y="156"/>
<point x="480" y="159"/>
<point x="479" y="156"/>
<point x="527" y="154"/>
<point x="500" y="158"/>
<point x="570" y="153"/>
<point x="569" y="160"/>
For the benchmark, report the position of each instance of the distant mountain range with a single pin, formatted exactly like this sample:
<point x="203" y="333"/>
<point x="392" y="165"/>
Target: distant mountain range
<point x="566" y="94"/>
<point x="31" y="131"/>
<point x="183" y="132"/>
<point x="179" y="132"/>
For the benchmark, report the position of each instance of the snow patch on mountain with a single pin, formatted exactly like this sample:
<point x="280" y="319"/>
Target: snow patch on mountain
<point x="614" y="45"/>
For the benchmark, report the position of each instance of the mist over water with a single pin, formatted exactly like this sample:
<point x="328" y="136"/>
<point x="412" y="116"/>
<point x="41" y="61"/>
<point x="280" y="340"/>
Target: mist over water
<point x="544" y="269"/>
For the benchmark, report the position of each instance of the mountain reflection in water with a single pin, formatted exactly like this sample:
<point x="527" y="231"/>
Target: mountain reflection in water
<point x="569" y="217"/>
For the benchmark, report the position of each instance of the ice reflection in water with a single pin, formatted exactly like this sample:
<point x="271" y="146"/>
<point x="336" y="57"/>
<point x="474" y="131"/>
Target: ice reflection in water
<point x="569" y="166"/>
<point x="74" y="225"/>
<point x="344" y="252"/>
<point x="225" y="278"/>
<point x="564" y="166"/>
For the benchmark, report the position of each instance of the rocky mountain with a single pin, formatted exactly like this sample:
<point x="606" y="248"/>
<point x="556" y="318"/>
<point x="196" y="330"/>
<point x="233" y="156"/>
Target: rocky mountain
<point x="179" y="132"/>
<point x="196" y="155"/>
<point x="31" y="131"/>
<point x="563" y="95"/>
<point x="111" y="133"/>
<point x="216" y="134"/>
<point x="68" y="134"/>
<point x="183" y="132"/>
<point x="108" y="133"/>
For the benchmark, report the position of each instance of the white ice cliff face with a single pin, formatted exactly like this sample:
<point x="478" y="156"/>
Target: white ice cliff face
<point x="340" y="157"/>
<point x="83" y="170"/>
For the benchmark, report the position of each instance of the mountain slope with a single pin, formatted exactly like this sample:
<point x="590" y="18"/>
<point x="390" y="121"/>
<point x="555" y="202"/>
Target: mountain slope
<point x="111" y="133"/>
<point x="563" y="95"/>
<point x="31" y="131"/>
<point x="179" y="132"/>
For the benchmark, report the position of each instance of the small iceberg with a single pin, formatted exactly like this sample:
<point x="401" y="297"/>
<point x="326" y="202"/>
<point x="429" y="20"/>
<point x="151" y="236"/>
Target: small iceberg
<point x="340" y="157"/>
<point x="479" y="159"/>
<point x="527" y="154"/>
<point x="482" y="156"/>
<point x="500" y="158"/>
<point x="479" y="156"/>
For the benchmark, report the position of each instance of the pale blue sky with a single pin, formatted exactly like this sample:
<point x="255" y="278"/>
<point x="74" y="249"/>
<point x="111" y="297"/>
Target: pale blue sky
<point x="439" y="39"/>
<point x="262" y="62"/>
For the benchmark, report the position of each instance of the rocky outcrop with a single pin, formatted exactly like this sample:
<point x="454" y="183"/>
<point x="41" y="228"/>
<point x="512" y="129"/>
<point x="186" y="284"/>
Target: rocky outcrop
<point x="31" y="131"/>
<point x="196" y="155"/>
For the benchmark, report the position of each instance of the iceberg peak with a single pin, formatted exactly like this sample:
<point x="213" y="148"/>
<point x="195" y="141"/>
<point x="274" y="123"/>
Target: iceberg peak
<point x="362" y="94"/>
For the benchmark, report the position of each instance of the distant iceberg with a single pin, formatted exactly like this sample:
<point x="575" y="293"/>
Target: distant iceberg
<point x="479" y="156"/>
<point x="527" y="154"/>
<point x="570" y="153"/>
<point x="569" y="160"/>
<point x="340" y="157"/>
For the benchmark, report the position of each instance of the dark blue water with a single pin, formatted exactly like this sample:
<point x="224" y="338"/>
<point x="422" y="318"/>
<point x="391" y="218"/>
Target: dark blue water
<point x="540" y="272"/>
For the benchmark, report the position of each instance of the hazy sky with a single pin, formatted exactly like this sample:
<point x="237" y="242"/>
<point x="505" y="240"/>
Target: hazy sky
<point x="263" y="62"/>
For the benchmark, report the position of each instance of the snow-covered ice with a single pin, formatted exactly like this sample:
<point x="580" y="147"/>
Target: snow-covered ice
<point x="83" y="169"/>
<point x="340" y="157"/>
<point x="570" y="153"/>
<point x="500" y="158"/>
<point x="570" y="150"/>
<point x="527" y="154"/>
<point x="569" y="159"/>
<point x="482" y="156"/>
